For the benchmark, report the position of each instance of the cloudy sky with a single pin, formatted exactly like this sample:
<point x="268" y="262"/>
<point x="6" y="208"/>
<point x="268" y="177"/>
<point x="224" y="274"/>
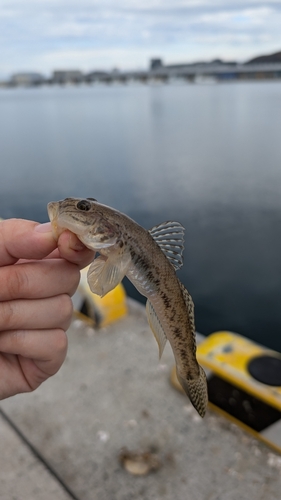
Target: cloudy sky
<point x="44" y="35"/>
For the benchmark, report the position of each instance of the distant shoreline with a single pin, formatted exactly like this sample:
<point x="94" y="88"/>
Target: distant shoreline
<point x="266" y="67"/>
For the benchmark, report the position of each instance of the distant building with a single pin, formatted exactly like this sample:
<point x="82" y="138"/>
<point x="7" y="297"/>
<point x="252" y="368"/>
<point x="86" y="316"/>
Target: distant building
<point x="156" y="64"/>
<point x="202" y="64"/>
<point x="218" y="70"/>
<point x="96" y="76"/>
<point x="27" y="79"/>
<point x="4" y="84"/>
<point x="67" y="76"/>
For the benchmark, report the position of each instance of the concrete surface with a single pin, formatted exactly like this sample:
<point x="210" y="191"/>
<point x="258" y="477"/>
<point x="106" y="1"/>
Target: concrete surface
<point x="22" y="475"/>
<point x="113" y="393"/>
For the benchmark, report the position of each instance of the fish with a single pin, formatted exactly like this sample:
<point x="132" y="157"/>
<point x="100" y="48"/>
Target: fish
<point x="149" y="259"/>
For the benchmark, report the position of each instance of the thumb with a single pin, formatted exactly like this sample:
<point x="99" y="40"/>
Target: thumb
<point x="24" y="239"/>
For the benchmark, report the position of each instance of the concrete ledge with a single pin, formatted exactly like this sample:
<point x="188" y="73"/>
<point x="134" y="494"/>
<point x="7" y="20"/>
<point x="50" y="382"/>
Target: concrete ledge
<point x="113" y="393"/>
<point x="22" y="475"/>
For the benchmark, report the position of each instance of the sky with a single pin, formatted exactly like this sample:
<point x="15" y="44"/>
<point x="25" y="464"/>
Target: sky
<point x="44" y="35"/>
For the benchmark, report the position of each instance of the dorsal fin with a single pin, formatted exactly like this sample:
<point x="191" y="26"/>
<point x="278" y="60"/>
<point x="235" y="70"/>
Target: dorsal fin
<point x="170" y="238"/>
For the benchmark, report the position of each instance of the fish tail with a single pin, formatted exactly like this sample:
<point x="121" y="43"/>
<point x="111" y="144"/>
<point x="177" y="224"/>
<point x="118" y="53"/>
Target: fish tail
<point x="196" y="390"/>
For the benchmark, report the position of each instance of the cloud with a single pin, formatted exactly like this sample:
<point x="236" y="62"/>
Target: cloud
<point x="125" y="32"/>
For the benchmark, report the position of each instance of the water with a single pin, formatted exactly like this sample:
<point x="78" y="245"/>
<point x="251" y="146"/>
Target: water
<point x="206" y="155"/>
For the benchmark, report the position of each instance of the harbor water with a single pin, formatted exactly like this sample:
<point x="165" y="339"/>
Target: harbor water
<point x="208" y="156"/>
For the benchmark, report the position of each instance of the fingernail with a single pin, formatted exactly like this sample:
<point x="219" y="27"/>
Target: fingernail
<point x="43" y="228"/>
<point x="75" y="243"/>
<point x="78" y="246"/>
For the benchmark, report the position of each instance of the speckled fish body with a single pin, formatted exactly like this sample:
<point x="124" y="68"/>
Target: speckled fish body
<point x="149" y="259"/>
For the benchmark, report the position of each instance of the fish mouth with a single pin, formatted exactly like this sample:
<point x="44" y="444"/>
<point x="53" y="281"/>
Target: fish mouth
<point x="61" y="221"/>
<point x="52" y="208"/>
<point x="53" y="212"/>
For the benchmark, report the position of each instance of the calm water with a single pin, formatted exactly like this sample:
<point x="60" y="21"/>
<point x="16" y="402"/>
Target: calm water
<point x="206" y="155"/>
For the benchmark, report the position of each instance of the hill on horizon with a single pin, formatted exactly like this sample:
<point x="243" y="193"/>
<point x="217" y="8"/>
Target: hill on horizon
<point x="271" y="58"/>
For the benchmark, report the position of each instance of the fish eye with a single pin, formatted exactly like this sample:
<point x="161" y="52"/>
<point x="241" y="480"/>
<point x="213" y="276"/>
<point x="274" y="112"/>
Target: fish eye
<point x="83" y="205"/>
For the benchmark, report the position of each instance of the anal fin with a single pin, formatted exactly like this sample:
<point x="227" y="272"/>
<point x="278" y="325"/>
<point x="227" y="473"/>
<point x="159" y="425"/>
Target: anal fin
<point x="156" y="327"/>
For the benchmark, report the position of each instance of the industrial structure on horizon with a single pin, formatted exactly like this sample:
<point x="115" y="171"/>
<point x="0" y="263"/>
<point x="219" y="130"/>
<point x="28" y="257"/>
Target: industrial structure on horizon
<point x="259" y="68"/>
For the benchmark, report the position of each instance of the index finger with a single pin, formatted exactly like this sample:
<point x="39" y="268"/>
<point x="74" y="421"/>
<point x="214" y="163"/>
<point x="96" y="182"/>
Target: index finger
<point x="70" y="248"/>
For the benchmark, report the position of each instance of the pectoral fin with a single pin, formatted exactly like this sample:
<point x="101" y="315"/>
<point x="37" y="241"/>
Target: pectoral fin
<point x="105" y="274"/>
<point x="156" y="327"/>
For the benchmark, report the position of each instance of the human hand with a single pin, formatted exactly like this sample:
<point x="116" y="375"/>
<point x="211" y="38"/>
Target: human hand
<point x="37" y="277"/>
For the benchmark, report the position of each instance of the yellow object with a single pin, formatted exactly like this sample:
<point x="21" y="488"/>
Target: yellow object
<point x="235" y="391"/>
<point x="228" y="355"/>
<point x="99" y="311"/>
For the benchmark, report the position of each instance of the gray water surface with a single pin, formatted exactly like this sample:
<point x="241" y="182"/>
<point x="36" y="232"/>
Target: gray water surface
<point x="206" y="155"/>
